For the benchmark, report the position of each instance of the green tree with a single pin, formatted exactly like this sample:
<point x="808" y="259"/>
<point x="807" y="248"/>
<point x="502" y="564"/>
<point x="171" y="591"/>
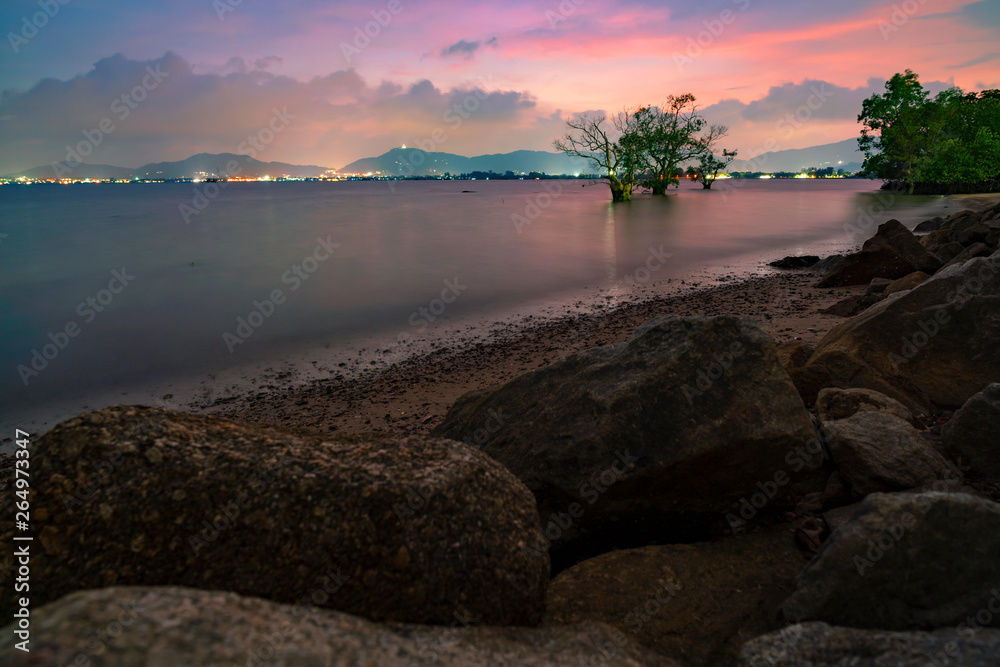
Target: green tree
<point x="667" y="135"/>
<point x="891" y="137"/>
<point x="613" y="151"/>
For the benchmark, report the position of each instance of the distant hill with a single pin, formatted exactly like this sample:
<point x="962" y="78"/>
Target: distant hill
<point x="215" y="164"/>
<point x="415" y="162"/>
<point x="210" y="163"/>
<point x="840" y="155"/>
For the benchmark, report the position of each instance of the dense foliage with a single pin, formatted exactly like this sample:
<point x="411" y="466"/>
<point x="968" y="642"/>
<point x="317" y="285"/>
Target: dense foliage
<point x="946" y="144"/>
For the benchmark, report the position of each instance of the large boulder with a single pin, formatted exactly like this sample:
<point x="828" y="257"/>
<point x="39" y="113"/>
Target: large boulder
<point x="795" y="262"/>
<point x="948" y="252"/>
<point x="893" y="234"/>
<point x="879" y="451"/>
<point x="410" y="529"/>
<point x="905" y="561"/>
<point x="932" y="346"/>
<point x="654" y="435"/>
<point x="694" y="602"/>
<point x="822" y="645"/>
<point x="973" y="434"/>
<point x="125" y="626"/>
<point x="877" y="261"/>
<point x="973" y="251"/>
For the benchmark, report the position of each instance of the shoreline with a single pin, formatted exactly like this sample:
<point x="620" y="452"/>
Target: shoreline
<point x="411" y="395"/>
<point x="369" y="382"/>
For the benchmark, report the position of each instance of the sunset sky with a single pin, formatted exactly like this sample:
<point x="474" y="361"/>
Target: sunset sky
<point x="520" y="67"/>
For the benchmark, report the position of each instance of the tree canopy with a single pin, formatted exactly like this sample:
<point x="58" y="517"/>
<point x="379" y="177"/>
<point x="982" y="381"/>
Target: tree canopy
<point x="949" y="143"/>
<point x="644" y="147"/>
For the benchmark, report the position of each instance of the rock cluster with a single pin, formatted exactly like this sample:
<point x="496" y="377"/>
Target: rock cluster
<point x="703" y="496"/>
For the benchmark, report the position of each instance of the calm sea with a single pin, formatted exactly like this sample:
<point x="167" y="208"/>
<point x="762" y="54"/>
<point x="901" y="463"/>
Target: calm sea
<point x="108" y="290"/>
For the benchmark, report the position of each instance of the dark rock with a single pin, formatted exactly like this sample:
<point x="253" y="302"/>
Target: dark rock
<point x="648" y="437"/>
<point x="852" y="305"/>
<point x="838" y="368"/>
<point x="835" y="403"/>
<point x="822" y="645"/>
<point x="793" y="354"/>
<point x="836" y="493"/>
<point x="973" y="251"/>
<point x="948" y="252"/>
<point x="906" y="282"/>
<point x="694" y="602"/>
<point x="877" y="286"/>
<point x="968" y="235"/>
<point x="931" y="225"/>
<point x="877" y="261"/>
<point x="934" y="345"/>
<point x="838" y="517"/>
<point x="965" y="229"/>
<point x="796" y="262"/>
<point x="809" y="380"/>
<point x="408" y="529"/>
<point x="878" y="451"/>
<point x="905" y="561"/>
<point x="195" y="628"/>
<point x="843" y="308"/>
<point x="974" y="433"/>
<point x="827" y="264"/>
<point x="893" y="234"/>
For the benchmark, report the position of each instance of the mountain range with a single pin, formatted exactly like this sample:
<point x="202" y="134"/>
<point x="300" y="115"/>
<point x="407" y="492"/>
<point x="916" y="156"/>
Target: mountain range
<point x="414" y="162"/>
<point x="840" y="155"/>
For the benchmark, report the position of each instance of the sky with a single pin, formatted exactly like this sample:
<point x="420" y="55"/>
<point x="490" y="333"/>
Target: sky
<point x="326" y="82"/>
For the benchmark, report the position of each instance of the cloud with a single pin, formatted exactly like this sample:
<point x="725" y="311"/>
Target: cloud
<point x="267" y="62"/>
<point x="975" y="61"/>
<point x="461" y="47"/>
<point x="982" y="13"/>
<point x="821" y="100"/>
<point x="337" y="117"/>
